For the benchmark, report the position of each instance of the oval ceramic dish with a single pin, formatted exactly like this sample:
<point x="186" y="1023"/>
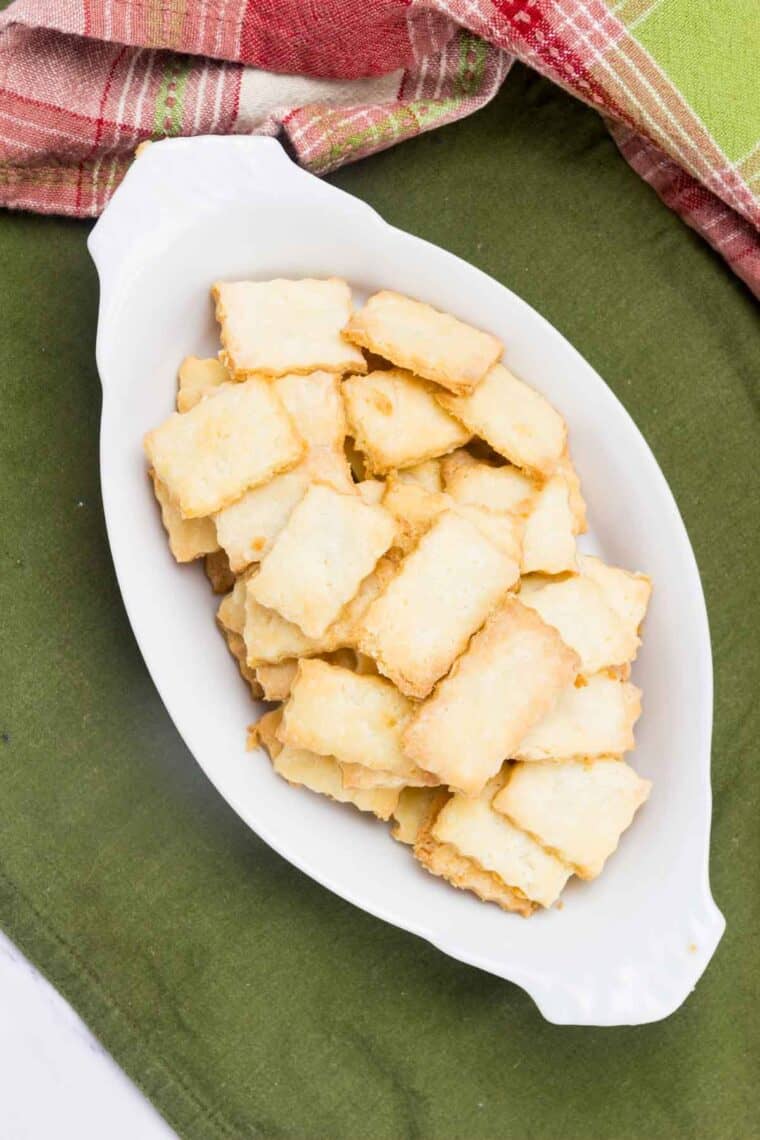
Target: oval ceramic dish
<point x="625" y="949"/>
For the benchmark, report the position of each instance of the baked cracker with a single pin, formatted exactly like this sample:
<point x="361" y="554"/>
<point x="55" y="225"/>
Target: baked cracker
<point x="444" y="590"/>
<point x="330" y="543"/>
<point x="280" y="326"/>
<point x="474" y="830"/>
<point x="506" y="681"/>
<point x="396" y="421"/>
<point x="592" y="717"/>
<point x="358" y="719"/>
<point x="577" y="607"/>
<point x="236" y="439"/>
<point x="578" y="810"/>
<point x="429" y="343"/>
<point x="515" y="419"/>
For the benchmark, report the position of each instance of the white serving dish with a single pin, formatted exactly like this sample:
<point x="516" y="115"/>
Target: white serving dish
<point x="625" y="949"/>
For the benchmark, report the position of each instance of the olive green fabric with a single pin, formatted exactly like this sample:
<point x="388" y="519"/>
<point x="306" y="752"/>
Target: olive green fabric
<point x="243" y="998"/>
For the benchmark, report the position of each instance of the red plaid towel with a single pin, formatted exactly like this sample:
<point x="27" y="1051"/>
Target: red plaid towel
<point x="82" y="83"/>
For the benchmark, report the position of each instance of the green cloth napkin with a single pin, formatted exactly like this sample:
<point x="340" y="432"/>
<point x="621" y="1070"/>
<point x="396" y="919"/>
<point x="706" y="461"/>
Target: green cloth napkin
<point x="244" y="999"/>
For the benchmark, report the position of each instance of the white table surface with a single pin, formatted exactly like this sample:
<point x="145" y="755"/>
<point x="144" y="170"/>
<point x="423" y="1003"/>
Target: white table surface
<point x="56" y="1080"/>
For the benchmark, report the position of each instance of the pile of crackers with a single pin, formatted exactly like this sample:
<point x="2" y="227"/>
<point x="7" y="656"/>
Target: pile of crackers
<point x="392" y="517"/>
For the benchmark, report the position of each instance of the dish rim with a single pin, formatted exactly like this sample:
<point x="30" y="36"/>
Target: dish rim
<point x="110" y="247"/>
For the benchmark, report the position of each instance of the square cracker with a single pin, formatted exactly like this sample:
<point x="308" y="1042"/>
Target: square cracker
<point x="188" y="538"/>
<point x="396" y="421"/>
<point x="549" y="534"/>
<point x="275" y="327"/>
<point x="197" y="379"/>
<point x="414" y="509"/>
<point x="507" y="680"/>
<point x="357" y="776"/>
<point x="271" y="639"/>
<point x="578" y="608"/>
<point x="471" y="826"/>
<point x="502" y="529"/>
<point x="627" y="593"/>
<point x="515" y="419"/>
<point x="358" y="719"/>
<point x="416" y="336"/>
<point x="445" y="861"/>
<point x="442" y="593"/>
<point x="328" y="545"/>
<point x="594" y="717"/>
<point x="578" y="810"/>
<point x="345" y="629"/>
<point x="248" y="527"/>
<point x="233" y="440"/>
<point x="479" y="484"/>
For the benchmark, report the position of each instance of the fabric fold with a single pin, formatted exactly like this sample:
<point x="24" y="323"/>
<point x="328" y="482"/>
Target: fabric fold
<point x="82" y="84"/>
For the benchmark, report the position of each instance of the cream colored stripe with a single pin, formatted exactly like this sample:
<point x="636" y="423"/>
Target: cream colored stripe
<point x="220" y="16"/>
<point x="199" y="97"/>
<point x="631" y="12"/>
<point x="119" y="112"/>
<point x="749" y="165"/>
<point x="441" y="71"/>
<point x="217" y="99"/>
<point x="144" y="89"/>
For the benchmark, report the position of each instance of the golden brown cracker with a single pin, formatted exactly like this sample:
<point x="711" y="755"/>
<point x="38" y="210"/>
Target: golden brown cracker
<point x="442" y="593"/>
<point x="576" y="809"/>
<point x="515" y="419"/>
<point x="429" y="343"/>
<point x="506" y="681"/>
<point x="329" y="544"/>
<point x="396" y="421"/>
<point x="238" y="438"/>
<point x="275" y="327"/>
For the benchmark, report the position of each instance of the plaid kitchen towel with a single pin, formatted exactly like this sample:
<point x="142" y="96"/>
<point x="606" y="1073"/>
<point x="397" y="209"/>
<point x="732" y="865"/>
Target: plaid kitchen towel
<point x="82" y="82"/>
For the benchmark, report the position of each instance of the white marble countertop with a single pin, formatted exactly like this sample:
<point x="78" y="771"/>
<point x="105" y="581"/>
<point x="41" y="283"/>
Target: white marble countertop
<point x="56" y="1079"/>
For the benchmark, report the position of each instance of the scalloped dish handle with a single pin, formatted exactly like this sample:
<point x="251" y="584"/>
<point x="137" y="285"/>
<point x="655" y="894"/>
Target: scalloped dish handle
<point x="174" y="179"/>
<point x="167" y="184"/>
